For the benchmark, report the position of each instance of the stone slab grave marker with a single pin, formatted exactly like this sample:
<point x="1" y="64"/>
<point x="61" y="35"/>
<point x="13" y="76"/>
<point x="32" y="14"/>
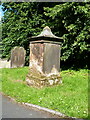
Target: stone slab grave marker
<point x="17" y="57"/>
<point x="44" y="60"/>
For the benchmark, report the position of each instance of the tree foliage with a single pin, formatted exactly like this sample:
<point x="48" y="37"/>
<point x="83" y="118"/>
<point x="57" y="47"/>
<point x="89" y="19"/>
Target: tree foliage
<point x="72" y="21"/>
<point x="21" y="21"/>
<point x="0" y="39"/>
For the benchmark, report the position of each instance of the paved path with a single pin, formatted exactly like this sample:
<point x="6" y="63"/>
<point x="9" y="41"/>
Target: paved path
<point x="11" y="109"/>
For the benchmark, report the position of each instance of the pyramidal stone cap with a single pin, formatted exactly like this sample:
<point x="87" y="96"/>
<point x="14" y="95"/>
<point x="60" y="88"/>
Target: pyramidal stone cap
<point x="47" y="34"/>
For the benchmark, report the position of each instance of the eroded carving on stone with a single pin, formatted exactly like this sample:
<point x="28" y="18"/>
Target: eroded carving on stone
<point x="17" y="57"/>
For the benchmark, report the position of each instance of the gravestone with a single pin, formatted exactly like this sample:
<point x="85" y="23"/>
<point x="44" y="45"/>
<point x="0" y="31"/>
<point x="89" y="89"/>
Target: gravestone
<point x="17" y="57"/>
<point x="44" y="59"/>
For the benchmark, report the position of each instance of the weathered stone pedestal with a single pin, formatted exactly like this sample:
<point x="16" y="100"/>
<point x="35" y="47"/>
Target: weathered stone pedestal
<point x="39" y="80"/>
<point x="44" y="60"/>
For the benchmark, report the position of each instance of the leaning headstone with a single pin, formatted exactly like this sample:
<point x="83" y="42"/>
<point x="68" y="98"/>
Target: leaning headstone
<point x="17" y="57"/>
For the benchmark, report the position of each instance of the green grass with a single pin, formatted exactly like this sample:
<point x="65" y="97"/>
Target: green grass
<point x="70" y="98"/>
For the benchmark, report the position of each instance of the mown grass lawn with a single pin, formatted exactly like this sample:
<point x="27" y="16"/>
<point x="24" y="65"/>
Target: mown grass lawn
<point x="70" y="98"/>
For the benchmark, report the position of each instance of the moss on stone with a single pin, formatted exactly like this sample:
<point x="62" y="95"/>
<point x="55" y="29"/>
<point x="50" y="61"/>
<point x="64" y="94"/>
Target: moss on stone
<point x="39" y="80"/>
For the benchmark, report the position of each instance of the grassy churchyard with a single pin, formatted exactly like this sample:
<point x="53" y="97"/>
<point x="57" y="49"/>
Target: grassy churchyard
<point x="70" y="98"/>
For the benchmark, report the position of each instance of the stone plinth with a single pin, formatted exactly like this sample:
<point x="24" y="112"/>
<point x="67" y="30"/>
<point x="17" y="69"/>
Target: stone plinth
<point x="44" y="59"/>
<point x="39" y="80"/>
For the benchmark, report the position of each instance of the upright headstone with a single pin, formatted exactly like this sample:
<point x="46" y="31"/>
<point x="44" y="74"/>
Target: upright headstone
<point x="44" y="59"/>
<point x="17" y="57"/>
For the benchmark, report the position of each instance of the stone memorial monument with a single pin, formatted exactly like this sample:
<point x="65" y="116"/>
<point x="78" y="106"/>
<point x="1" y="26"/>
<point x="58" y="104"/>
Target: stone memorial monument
<point x="44" y="60"/>
<point x="17" y="57"/>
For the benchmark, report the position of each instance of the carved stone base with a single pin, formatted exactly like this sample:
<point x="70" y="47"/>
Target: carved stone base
<point x="39" y="80"/>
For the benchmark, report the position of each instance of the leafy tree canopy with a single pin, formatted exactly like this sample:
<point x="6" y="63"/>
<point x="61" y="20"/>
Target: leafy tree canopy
<point x="21" y="21"/>
<point x="72" y="21"/>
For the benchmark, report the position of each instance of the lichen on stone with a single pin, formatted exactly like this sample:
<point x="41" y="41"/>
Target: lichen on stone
<point x="39" y="80"/>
